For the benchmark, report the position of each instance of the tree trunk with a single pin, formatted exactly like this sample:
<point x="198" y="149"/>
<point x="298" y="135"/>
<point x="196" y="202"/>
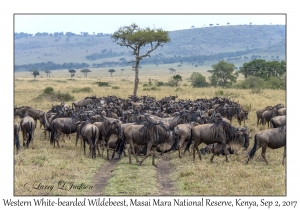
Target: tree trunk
<point x="136" y="81"/>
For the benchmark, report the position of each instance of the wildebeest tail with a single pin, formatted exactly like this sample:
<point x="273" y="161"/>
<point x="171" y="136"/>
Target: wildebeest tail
<point x="189" y="142"/>
<point x="253" y="150"/>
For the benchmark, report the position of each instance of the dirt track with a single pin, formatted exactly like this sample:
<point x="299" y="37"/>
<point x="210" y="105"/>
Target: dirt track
<point x="164" y="183"/>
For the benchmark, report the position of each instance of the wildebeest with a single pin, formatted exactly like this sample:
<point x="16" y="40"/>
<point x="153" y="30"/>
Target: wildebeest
<point x="183" y="133"/>
<point x="36" y="114"/>
<point x="150" y="134"/>
<point x="16" y="136"/>
<point x="89" y="133"/>
<point x="259" y="114"/>
<point x="268" y="115"/>
<point x="273" y="138"/>
<point x="220" y="132"/>
<point x="27" y="126"/>
<point x="281" y="111"/>
<point x="278" y="121"/>
<point x="61" y="125"/>
<point x="106" y="129"/>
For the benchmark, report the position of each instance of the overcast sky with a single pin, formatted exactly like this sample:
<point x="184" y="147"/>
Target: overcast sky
<point x="110" y="23"/>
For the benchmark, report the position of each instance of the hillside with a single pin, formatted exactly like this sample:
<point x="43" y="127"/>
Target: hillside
<point x="196" y="45"/>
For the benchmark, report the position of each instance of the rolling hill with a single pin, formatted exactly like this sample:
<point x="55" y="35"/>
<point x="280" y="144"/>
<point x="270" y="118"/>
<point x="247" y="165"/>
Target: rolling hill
<point x="236" y="44"/>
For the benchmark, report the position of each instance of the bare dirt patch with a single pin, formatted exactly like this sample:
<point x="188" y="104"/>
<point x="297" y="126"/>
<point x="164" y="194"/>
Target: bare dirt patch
<point x="164" y="170"/>
<point x="102" y="176"/>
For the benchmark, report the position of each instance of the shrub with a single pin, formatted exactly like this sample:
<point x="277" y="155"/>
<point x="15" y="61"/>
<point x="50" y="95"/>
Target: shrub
<point x="102" y="84"/>
<point x="198" y="80"/>
<point x="219" y="93"/>
<point x="115" y="87"/>
<point x="151" y="88"/>
<point x="159" y="83"/>
<point x="251" y="83"/>
<point x="84" y="89"/>
<point x="64" y="96"/>
<point x="48" y="90"/>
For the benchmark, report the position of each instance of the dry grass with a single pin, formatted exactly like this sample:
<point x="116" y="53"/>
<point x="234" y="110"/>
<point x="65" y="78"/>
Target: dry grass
<point x="42" y="163"/>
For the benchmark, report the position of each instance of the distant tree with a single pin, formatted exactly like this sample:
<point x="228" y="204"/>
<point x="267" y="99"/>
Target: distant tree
<point x="172" y="70"/>
<point x="72" y="71"/>
<point x="179" y="66"/>
<point x="198" y="80"/>
<point x="122" y="70"/>
<point x="217" y="24"/>
<point x="263" y="69"/>
<point x="85" y="72"/>
<point x="211" y="24"/>
<point x="224" y="72"/>
<point x="177" y="78"/>
<point x="228" y="23"/>
<point x="111" y="71"/>
<point x="35" y="73"/>
<point x="48" y="73"/>
<point x="196" y="65"/>
<point x="134" y="37"/>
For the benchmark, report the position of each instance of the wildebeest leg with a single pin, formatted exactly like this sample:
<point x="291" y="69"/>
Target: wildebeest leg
<point x="84" y="147"/>
<point x="24" y="137"/>
<point x="153" y="156"/>
<point x="263" y="153"/>
<point x="284" y="155"/>
<point x="129" y="154"/>
<point x="107" y="149"/>
<point x="149" y="146"/>
<point x="132" y="149"/>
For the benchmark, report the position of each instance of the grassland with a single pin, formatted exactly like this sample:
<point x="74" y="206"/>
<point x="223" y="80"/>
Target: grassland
<point x="42" y="163"/>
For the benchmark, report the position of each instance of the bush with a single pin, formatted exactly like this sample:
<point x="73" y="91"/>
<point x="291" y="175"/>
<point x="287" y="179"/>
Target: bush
<point x="48" y="90"/>
<point x="115" y="87"/>
<point x="251" y="83"/>
<point x="64" y="96"/>
<point x="102" y="84"/>
<point x="84" y="89"/>
<point x="219" y="93"/>
<point x="159" y="84"/>
<point x="151" y="88"/>
<point x="198" y="80"/>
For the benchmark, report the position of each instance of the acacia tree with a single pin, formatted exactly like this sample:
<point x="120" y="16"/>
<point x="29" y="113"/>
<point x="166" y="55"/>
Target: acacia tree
<point x="177" y="78"/>
<point x="72" y="71"/>
<point x="224" y="73"/>
<point x="48" y="73"/>
<point x="122" y="70"/>
<point x="111" y="71"/>
<point x="85" y="72"/>
<point x="142" y="41"/>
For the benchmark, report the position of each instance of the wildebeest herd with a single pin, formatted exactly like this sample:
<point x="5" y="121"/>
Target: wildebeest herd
<point x="145" y="125"/>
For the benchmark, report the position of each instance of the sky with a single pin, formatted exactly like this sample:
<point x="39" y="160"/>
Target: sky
<point x="77" y="23"/>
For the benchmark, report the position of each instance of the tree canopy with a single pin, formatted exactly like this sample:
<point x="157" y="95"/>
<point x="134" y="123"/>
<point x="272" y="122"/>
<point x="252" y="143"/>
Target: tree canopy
<point x="85" y="72"/>
<point x="142" y="41"/>
<point x="35" y="73"/>
<point x="223" y="73"/>
<point x="263" y="69"/>
<point x="198" y="80"/>
<point x="111" y="71"/>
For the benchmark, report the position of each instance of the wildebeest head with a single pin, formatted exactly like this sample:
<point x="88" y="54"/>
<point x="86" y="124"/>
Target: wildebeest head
<point x="116" y="125"/>
<point x="245" y="134"/>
